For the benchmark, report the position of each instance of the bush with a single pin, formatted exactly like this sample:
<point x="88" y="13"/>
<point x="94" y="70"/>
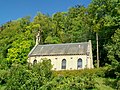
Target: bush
<point x="113" y="72"/>
<point x="97" y="71"/>
<point x="70" y="83"/>
<point x="40" y="77"/>
<point x="3" y="77"/>
<point x="22" y="78"/>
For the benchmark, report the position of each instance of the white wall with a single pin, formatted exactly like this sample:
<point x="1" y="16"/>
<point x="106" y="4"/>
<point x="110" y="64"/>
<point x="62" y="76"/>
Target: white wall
<point x="56" y="61"/>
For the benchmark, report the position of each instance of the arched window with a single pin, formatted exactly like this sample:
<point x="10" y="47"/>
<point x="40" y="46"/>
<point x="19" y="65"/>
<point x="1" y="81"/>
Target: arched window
<point x="79" y="63"/>
<point x="63" y="64"/>
<point x="34" y="62"/>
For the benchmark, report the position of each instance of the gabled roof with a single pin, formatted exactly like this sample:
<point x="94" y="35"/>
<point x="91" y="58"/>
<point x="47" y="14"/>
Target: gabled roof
<point x="59" y="49"/>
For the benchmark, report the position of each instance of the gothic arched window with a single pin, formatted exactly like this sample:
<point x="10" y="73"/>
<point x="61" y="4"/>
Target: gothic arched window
<point x="34" y="62"/>
<point x="63" y="64"/>
<point x="79" y="63"/>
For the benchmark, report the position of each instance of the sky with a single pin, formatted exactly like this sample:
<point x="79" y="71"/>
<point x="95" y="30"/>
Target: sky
<point x="14" y="9"/>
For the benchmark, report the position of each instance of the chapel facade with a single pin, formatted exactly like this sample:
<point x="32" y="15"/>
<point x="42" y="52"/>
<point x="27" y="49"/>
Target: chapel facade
<point x="67" y="56"/>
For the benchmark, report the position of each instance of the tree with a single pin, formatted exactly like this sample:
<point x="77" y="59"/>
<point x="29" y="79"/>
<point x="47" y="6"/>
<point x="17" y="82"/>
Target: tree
<point x="76" y="26"/>
<point x="103" y="14"/>
<point x="46" y="25"/>
<point x="114" y="48"/>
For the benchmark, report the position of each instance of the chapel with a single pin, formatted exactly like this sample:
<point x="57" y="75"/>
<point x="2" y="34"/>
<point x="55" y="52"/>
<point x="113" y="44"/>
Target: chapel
<point x="65" y="56"/>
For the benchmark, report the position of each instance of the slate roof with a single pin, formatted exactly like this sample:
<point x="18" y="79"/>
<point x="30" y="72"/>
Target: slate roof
<point x="59" y="49"/>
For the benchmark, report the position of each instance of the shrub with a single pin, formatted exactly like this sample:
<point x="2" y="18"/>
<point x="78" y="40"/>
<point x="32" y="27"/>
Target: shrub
<point x="22" y="78"/>
<point x="3" y="77"/>
<point x="97" y="71"/>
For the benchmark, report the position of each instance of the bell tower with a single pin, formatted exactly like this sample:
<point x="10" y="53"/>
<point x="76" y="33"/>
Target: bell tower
<point x="38" y="38"/>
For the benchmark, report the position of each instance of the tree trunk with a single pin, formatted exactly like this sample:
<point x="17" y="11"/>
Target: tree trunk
<point x="97" y="51"/>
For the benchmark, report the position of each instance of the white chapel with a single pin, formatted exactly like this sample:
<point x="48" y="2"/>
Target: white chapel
<point x="67" y="56"/>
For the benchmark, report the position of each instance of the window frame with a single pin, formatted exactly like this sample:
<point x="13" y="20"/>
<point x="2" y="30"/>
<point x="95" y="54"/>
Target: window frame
<point x="63" y="64"/>
<point x="79" y="63"/>
<point x="34" y="62"/>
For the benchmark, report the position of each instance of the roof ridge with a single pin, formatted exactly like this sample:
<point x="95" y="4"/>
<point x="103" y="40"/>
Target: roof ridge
<point x="63" y="44"/>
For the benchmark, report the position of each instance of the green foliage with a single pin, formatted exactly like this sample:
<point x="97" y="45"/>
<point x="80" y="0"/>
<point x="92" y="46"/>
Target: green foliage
<point x="103" y="14"/>
<point x="70" y="83"/>
<point x="114" y="83"/>
<point x="52" y="40"/>
<point x="100" y="72"/>
<point x="102" y="84"/>
<point x="40" y="77"/>
<point x="114" y="55"/>
<point x="113" y="48"/>
<point x="3" y="77"/>
<point x="20" y="77"/>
